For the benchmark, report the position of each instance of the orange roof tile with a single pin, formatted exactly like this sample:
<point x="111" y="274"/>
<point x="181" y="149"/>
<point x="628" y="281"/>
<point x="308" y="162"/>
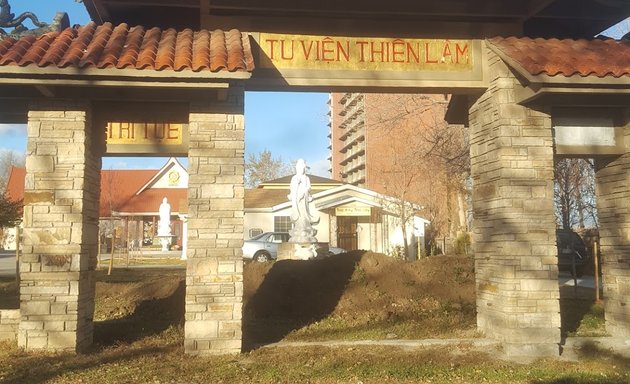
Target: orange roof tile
<point x="552" y="57"/>
<point x="120" y="186"/>
<point x="118" y="191"/>
<point x="15" y="183"/>
<point x="150" y="200"/>
<point x="124" y="47"/>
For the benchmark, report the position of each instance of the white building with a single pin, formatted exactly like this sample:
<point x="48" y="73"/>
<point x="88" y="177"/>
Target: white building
<point x="351" y="217"/>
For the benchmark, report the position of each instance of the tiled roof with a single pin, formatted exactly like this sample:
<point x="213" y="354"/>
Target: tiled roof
<point x="119" y="186"/>
<point x="123" y="47"/>
<point x="553" y="57"/>
<point x="150" y="199"/>
<point x="15" y="183"/>
<point x="118" y="191"/>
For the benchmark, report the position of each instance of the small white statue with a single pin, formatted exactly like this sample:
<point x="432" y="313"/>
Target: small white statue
<point x="164" y="225"/>
<point x="301" y="216"/>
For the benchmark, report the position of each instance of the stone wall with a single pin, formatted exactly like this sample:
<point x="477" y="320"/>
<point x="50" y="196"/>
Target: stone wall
<point x="514" y="230"/>
<point x="9" y="322"/>
<point x="61" y="200"/>
<point x="214" y="273"/>
<point x="613" y="207"/>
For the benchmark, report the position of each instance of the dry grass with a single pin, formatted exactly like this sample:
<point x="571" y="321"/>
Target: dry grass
<point x="139" y="331"/>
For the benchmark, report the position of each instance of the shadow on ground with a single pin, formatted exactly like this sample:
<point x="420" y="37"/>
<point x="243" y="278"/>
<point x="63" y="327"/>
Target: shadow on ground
<point x="9" y="296"/>
<point x="287" y="292"/>
<point x="149" y="318"/>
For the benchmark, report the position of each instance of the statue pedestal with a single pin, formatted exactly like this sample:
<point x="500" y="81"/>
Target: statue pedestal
<point x="296" y="251"/>
<point x="165" y="241"/>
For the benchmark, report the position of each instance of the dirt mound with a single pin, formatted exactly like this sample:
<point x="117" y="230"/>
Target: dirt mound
<point x="359" y="290"/>
<point x="355" y="295"/>
<point x="356" y="282"/>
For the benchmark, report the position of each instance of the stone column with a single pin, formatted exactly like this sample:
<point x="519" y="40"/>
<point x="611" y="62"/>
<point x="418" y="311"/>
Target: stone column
<point x="214" y="273"/>
<point x="613" y="208"/>
<point x="514" y="226"/>
<point x="61" y="200"/>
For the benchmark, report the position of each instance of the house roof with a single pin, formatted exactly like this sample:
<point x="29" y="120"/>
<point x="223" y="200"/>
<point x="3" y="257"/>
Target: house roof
<point x="118" y="187"/>
<point x="15" y="183"/>
<point x="123" y="47"/>
<point x="150" y="199"/>
<point x="317" y="183"/>
<point x="118" y="191"/>
<point x="264" y="198"/>
<point x="553" y="57"/>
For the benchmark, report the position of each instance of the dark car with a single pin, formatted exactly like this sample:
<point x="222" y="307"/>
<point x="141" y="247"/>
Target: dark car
<point x="572" y="254"/>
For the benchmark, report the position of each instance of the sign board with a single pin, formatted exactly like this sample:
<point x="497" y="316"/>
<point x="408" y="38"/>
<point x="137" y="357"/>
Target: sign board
<point x="368" y="61"/>
<point x="353" y="211"/>
<point x="135" y="138"/>
<point x="588" y="136"/>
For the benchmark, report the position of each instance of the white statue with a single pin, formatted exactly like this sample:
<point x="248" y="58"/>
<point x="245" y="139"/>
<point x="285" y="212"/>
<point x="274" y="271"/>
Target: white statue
<point x="164" y="225"/>
<point x="301" y="216"/>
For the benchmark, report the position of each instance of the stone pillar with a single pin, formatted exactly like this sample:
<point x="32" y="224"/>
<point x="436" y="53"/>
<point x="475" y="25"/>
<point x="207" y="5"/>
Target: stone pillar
<point x="514" y="226"/>
<point x="61" y="200"/>
<point x="214" y="273"/>
<point x="613" y="207"/>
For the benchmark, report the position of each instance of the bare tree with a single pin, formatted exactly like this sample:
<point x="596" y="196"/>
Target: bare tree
<point x="574" y="191"/>
<point x="424" y="160"/>
<point x="261" y="167"/>
<point x="9" y="158"/>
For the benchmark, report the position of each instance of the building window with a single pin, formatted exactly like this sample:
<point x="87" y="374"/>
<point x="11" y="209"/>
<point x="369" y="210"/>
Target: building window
<point x="282" y="223"/>
<point x="255" y="232"/>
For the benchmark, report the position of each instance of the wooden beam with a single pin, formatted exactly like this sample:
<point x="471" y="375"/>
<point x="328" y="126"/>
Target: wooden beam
<point x="359" y="8"/>
<point x="357" y="27"/>
<point x="153" y="3"/>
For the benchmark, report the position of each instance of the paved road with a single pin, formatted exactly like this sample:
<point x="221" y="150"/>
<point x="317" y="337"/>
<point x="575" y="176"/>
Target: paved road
<point x="7" y="263"/>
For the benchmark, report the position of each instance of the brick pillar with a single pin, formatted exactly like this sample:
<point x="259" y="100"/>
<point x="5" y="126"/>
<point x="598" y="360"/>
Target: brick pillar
<point x="61" y="199"/>
<point x="514" y="227"/>
<point x="214" y="273"/>
<point x="613" y="207"/>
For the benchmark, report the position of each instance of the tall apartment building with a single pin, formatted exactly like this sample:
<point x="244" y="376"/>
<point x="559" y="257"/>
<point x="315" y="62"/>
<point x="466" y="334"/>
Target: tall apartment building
<point x="389" y="143"/>
<point x="347" y="135"/>
<point x="369" y="133"/>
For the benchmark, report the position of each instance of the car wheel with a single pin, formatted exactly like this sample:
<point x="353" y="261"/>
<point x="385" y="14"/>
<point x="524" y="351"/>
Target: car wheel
<point x="262" y="257"/>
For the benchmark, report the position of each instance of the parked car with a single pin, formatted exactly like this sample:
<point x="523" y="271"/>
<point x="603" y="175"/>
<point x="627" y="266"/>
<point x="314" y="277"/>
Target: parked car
<point x="264" y="247"/>
<point x="571" y="250"/>
<point x="324" y="250"/>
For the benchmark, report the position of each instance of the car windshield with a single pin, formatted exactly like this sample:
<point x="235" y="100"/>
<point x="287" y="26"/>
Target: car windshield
<point x="259" y="236"/>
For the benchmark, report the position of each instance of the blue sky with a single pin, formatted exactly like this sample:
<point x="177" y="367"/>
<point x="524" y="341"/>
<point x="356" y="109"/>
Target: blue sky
<point x="291" y="125"/>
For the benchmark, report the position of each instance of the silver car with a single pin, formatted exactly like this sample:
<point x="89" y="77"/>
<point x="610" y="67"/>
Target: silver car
<point x="264" y="247"/>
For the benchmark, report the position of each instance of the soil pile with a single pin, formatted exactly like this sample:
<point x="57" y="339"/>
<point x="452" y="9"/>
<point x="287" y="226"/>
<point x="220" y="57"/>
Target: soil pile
<point x="434" y="296"/>
<point x="358" y="295"/>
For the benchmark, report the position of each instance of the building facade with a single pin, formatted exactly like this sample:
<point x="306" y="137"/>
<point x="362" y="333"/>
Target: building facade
<point x="400" y="145"/>
<point x="350" y="217"/>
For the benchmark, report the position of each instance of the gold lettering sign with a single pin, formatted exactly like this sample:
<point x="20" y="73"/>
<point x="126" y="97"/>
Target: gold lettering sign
<point x="372" y="54"/>
<point x="353" y="211"/>
<point x="145" y="133"/>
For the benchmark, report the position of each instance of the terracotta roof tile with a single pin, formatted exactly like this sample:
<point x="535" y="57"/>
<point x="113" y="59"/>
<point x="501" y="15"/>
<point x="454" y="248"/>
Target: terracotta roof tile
<point x="124" y="47"/>
<point x="553" y="57"/>
<point x="118" y="191"/>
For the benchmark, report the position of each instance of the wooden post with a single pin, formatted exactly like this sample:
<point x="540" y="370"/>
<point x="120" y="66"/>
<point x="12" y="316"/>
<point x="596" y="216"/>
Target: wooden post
<point x="111" y="259"/>
<point x="127" y="242"/>
<point x="596" y="263"/>
<point x="17" y="257"/>
<point x="98" y="249"/>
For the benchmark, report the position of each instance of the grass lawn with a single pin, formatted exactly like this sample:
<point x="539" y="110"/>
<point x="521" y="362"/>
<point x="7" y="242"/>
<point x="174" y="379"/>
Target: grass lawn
<point x="160" y="359"/>
<point x="138" y="335"/>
